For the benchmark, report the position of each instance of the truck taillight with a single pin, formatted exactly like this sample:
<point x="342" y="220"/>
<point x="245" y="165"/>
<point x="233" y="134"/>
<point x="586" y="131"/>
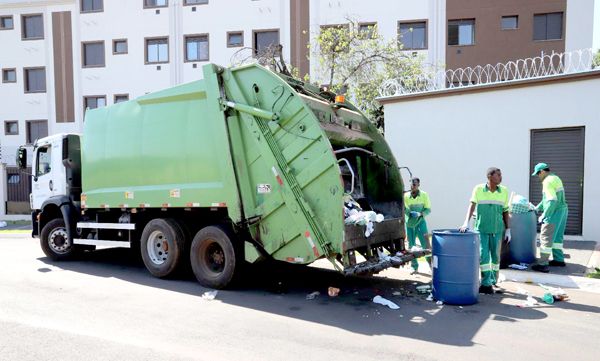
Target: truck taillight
<point x="340" y="99"/>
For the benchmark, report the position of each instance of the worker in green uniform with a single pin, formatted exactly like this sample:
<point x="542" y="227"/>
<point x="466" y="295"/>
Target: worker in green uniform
<point x="553" y="218"/>
<point x="490" y="200"/>
<point x="417" y="205"/>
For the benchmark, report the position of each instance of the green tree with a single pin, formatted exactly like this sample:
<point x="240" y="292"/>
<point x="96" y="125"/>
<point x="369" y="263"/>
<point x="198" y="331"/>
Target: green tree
<point x="355" y="60"/>
<point x="596" y="61"/>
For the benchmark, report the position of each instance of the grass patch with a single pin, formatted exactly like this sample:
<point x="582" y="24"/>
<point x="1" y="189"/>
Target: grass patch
<point x="595" y="274"/>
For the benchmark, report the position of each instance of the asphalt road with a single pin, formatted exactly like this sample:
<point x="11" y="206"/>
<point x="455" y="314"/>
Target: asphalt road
<point x="106" y="306"/>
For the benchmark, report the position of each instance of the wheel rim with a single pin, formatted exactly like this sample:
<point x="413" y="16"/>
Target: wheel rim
<point x="59" y="241"/>
<point x="214" y="257"/>
<point x="158" y="248"/>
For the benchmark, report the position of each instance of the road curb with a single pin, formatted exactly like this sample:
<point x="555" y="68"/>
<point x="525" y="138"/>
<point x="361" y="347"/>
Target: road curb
<point x="573" y="282"/>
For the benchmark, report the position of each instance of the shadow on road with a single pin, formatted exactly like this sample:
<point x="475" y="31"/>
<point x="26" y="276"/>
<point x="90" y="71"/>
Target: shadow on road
<point x="281" y="289"/>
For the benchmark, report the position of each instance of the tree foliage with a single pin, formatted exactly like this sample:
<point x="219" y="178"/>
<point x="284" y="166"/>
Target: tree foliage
<point x="356" y="60"/>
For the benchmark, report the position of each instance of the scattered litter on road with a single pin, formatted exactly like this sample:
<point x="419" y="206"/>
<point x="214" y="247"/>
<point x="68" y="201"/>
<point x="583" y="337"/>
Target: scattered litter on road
<point x="522" y="291"/>
<point x="548" y="298"/>
<point x="382" y="301"/>
<point x="313" y="295"/>
<point x="460" y="307"/>
<point x="517" y="267"/>
<point x="209" y="295"/>
<point x="333" y="291"/>
<point x="501" y="278"/>
<point x="530" y="302"/>
<point x="557" y="293"/>
<point x="439" y="303"/>
<point x="423" y="289"/>
<point x="3" y="224"/>
<point x="397" y="293"/>
<point x="430" y="297"/>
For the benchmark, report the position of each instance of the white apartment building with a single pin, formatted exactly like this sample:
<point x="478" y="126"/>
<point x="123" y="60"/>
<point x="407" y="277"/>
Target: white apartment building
<point x="59" y="57"/>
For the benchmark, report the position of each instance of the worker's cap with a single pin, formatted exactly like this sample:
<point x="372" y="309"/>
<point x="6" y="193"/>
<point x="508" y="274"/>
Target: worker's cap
<point x="539" y="167"/>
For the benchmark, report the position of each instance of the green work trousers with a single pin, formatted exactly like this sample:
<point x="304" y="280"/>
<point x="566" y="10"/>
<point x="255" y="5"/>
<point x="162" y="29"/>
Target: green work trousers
<point x="489" y="261"/>
<point x="552" y="237"/>
<point x="420" y="231"/>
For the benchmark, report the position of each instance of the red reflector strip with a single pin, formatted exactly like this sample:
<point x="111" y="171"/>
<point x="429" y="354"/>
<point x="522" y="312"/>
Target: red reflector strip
<point x="279" y="180"/>
<point x="166" y="205"/>
<point x="312" y="244"/>
<point x="221" y="204"/>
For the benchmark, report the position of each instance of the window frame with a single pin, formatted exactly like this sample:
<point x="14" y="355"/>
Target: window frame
<point x="114" y="43"/>
<point x="28" y="129"/>
<point x="461" y="20"/>
<point x="23" y="16"/>
<point x="185" y="54"/>
<point x="7" y="17"/>
<point x="416" y="21"/>
<point x="241" y="32"/>
<point x="120" y="95"/>
<point x="509" y="16"/>
<point x="562" y="26"/>
<point x="255" y="32"/>
<point x="26" y="80"/>
<point x="185" y="3"/>
<point x="155" y="6"/>
<point x="81" y="11"/>
<point x="6" y="123"/>
<point x="83" y="44"/>
<point x="86" y="97"/>
<point x="4" y="70"/>
<point x="146" y="62"/>
<point x="372" y="24"/>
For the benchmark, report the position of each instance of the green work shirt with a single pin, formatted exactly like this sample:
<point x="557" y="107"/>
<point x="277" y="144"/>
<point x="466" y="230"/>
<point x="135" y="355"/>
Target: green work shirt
<point x="553" y="199"/>
<point x="420" y="203"/>
<point x="490" y="206"/>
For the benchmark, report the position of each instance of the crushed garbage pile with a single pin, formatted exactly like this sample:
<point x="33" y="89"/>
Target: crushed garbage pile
<point x="354" y="214"/>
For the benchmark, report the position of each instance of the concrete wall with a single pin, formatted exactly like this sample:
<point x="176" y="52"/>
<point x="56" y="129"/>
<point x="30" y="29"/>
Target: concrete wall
<point x="450" y="140"/>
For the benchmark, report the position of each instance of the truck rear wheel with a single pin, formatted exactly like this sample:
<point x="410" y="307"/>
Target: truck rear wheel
<point x="54" y="240"/>
<point x="214" y="258"/>
<point x="162" y="247"/>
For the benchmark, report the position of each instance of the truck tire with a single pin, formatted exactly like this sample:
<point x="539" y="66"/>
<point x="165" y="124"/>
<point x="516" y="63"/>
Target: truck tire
<point x="214" y="257"/>
<point x="162" y="247"/>
<point x="54" y="241"/>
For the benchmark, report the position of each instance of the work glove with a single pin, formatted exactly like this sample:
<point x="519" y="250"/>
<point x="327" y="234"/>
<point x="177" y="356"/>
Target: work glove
<point x="541" y="219"/>
<point x="464" y="227"/>
<point x="414" y="214"/>
<point x="507" y="236"/>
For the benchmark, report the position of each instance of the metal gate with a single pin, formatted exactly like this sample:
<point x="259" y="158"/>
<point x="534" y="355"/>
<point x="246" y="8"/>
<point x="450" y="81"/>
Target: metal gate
<point x="18" y="188"/>
<point x="563" y="150"/>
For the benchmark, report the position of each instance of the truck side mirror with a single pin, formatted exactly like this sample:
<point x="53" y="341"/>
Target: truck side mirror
<point x="22" y="158"/>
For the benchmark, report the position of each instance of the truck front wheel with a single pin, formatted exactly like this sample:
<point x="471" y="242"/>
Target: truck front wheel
<point x="213" y="257"/>
<point x="162" y="246"/>
<point x="55" y="242"/>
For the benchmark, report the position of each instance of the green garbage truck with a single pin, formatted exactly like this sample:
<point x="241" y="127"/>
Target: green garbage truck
<point x="242" y="166"/>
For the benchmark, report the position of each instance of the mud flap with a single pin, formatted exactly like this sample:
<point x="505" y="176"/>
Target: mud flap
<point x="381" y="264"/>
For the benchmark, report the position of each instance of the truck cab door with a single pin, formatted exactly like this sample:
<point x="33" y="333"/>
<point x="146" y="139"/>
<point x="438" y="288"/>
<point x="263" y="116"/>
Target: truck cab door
<point x="44" y="170"/>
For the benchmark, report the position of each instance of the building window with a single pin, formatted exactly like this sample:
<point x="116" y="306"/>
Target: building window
<point x="9" y="75"/>
<point x="156" y="3"/>
<point x="6" y="22"/>
<point x="119" y="98"/>
<point x="196" y="47"/>
<point x="265" y="40"/>
<point x="235" y="39"/>
<point x="93" y="102"/>
<point x="13" y="178"/>
<point x="195" y="2"/>
<point x="461" y="32"/>
<point x="32" y="27"/>
<point x="11" y="127"/>
<point x="36" y="129"/>
<point x="510" y="22"/>
<point x="35" y="80"/>
<point x="93" y="54"/>
<point x="367" y="30"/>
<point x="547" y="26"/>
<point x="157" y="50"/>
<point x="120" y="46"/>
<point x="413" y="36"/>
<point x="92" y="6"/>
